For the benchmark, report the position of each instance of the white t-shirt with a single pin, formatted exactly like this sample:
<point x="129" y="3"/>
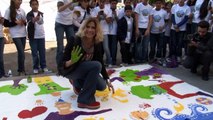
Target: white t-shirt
<point x="180" y="12"/>
<point x="196" y="13"/>
<point x="129" y="29"/>
<point x="143" y="14"/>
<point x="104" y="24"/>
<point x="18" y="30"/>
<point x="76" y="19"/>
<point x="113" y="26"/>
<point x="1" y="28"/>
<point x="64" y="17"/>
<point x="39" y="28"/>
<point x="159" y="18"/>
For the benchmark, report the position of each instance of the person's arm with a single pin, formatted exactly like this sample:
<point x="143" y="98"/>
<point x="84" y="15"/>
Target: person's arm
<point x="8" y="23"/>
<point x="61" y="6"/>
<point x="185" y="19"/>
<point x="147" y="32"/>
<point x="76" y="14"/>
<point x="98" y="55"/>
<point x="136" y="14"/>
<point x="173" y="19"/>
<point x="208" y="46"/>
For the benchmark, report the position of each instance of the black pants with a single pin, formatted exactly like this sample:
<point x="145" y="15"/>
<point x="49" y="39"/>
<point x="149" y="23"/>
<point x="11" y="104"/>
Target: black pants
<point x="196" y="59"/>
<point x="126" y="55"/>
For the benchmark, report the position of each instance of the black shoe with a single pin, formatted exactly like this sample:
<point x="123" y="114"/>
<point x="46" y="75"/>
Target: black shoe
<point x="206" y="78"/>
<point x="193" y="70"/>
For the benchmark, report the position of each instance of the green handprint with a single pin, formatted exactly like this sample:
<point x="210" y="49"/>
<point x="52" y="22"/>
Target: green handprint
<point x="76" y="54"/>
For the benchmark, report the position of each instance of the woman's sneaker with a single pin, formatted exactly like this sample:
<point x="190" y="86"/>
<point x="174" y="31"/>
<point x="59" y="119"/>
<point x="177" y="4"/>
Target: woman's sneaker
<point x="94" y="105"/>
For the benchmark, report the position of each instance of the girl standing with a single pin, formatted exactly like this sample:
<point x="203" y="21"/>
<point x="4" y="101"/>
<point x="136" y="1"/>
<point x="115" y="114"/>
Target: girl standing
<point x="36" y="36"/>
<point x="15" y="19"/>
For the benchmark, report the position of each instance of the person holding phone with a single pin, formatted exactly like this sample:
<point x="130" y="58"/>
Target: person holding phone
<point x="200" y="50"/>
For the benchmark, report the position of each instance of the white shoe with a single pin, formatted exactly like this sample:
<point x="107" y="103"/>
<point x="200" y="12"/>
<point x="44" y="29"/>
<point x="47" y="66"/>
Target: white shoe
<point x="45" y="70"/>
<point x="35" y="71"/>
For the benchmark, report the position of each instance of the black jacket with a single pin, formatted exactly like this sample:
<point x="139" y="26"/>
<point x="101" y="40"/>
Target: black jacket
<point x="204" y="44"/>
<point x="97" y="56"/>
<point x="122" y="30"/>
<point x="31" y="24"/>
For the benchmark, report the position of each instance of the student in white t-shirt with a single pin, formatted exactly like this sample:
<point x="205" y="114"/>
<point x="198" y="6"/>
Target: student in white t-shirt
<point x="80" y="13"/>
<point x="159" y="17"/>
<point x="15" y="19"/>
<point x="180" y="13"/>
<point x="63" y="24"/>
<point x="113" y="42"/>
<point x="142" y="28"/>
<point x="104" y="15"/>
<point x="202" y="11"/>
<point x="36" y="37"/>
<point x="2" y="71"/>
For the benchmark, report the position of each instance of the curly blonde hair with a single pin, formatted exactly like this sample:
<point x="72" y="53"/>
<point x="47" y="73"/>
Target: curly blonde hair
<point x="98" y="30"/>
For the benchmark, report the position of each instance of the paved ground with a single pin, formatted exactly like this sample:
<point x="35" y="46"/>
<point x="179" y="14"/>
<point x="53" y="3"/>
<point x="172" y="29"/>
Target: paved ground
<point x="10" y="58"/>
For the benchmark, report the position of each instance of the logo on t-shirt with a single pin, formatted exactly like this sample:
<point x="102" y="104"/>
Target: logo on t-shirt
<point x="180" y="13"/>
<point x="145" y="12"/>
<point x="157" y="18"/>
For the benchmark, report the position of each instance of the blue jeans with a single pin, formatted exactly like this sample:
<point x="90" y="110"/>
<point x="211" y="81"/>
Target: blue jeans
<point x="156" y="39"/>
<point x="87" y="78"/>
<point x="2" y="72"/>
<point x="20" y="46"/>
<point x="59" y="31"/>
<point x="38" y="53"/>
<point x="113" y="42"/>
<point x="177" y="42"/>
<point x="145" y="46"/>
<point x="106" y="50"/>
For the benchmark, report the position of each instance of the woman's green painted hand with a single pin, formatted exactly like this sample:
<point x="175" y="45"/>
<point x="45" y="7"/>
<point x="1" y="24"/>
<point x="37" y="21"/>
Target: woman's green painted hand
<point x="76" y="54"/>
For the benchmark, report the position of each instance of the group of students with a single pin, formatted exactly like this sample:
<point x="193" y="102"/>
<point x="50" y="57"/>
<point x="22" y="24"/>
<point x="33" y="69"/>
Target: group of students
<point x="143" y="30"/>
<point x="16" y="20"/>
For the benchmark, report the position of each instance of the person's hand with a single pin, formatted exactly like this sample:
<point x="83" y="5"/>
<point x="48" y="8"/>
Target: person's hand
<point x="110" y="86"/>
<point x="161" y="28"/>
<point x="35" y="19"/>
<point x="193" y="43"/>
<point x="147" y="32"/>
<point x="1" y="20"/>
<point x="76" y="54"/>
<point x="20" y="22"/>
<point x="137" y="33"/>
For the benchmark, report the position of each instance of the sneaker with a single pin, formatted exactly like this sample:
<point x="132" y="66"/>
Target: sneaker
<point x="205" y="78"/>
<point x="35" y="71"/>
<point x="75" y="89"/>
<point x="45" y="70"/>
<point x="179" y="59"/>
<point x="94" y="105"/>
<point x="124" y="64"/>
